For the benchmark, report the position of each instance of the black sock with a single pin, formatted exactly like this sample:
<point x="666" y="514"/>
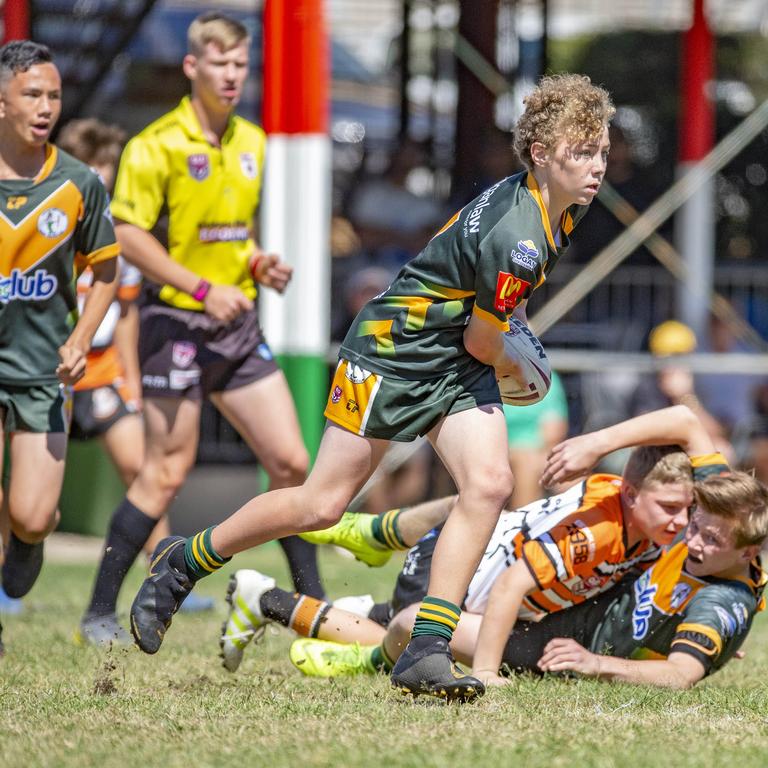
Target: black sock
<point x="128" y="533"/>
<point x="302" y="560"/>
<point x="381" y="613"/>
<point x="21" y="566"/>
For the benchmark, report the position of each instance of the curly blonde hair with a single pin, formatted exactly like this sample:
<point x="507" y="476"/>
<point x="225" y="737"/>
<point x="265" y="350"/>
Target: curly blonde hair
<point x="562" y="106"/>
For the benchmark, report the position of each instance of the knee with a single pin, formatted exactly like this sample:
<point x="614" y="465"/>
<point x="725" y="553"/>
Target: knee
<point x="490" y="486"/>
<point x="165" y="476"/>
<point x="323" y="512"/>
<point x="34" y="528"/>
<point x="289" y="470"/>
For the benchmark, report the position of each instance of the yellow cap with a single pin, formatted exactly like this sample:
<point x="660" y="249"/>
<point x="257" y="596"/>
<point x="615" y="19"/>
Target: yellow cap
<point x="671" y="338"/>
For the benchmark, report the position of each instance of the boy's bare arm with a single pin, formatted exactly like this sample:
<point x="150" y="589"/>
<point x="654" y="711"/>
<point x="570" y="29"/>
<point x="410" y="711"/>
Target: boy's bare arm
<point x="680" y="670"/>
<point x="102" y="293"/>
<point x="498" y="620"/>
<point x="677" y="425"/>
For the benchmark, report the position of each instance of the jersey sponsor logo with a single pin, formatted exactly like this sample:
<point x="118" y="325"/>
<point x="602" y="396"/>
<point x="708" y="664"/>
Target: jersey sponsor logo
<point x="585" y="586"/>
<point x="199" y="166"/>
<point x="183" y="379"/>
<point x="336" y="395"/>
<point x="526" y="254"/>
<point x="641" y="615"/>
<point x="38" y="286"/>
<point x="680" y="594"/>
<point x="411" y="562"/>
<point x="248" y="165"/>
<point x="52" y="222"/>
<point x="509" y="291"/>
<point x="582" y="543"/>
<point x="742" y="616"/>
<point x="727" y="622"/>
<point x="472" y="222"/>
<point x="155" y="382"/>
<point x="183" y="353"/>
<point x="223" y="233"/>
<point x="356" y="374"/>
<point x="15" y="202"/>
<point x="104" y="403"/>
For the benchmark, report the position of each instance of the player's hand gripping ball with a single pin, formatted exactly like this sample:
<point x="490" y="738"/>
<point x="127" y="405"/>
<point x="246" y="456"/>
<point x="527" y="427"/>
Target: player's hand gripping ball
<point x="521" y="345"/>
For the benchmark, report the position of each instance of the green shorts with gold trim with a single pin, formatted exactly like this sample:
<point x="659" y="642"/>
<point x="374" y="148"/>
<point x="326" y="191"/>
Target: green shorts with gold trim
<point x="37" y="408"/>
<point x="389" y="408"/>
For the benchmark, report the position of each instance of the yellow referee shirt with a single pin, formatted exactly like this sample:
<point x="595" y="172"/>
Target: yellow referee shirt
<point x="211" y="195"/>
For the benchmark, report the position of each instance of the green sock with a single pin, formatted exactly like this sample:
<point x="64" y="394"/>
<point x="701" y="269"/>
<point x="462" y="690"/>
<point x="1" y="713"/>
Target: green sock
<point x="200" y="558"/>
<point x="385" y="530"/>
<point x="436" y="617"/>
<point x="378" y="661"/>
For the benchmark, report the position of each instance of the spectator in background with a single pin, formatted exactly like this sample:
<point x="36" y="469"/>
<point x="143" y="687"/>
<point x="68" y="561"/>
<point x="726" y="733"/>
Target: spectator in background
<point x="392" y="221"/>
<point x="728" y="396"/>
<point x="533" y="430"/>
<point x="673" y="382"/>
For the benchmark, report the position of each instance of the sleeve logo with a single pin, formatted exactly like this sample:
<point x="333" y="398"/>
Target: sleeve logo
<point x="509" y="291"/>
<point x="248" y="165"/>
<point x="526" y="255"/>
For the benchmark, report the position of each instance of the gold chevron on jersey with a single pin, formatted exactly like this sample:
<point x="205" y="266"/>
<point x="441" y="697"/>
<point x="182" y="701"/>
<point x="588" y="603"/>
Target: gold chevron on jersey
<point x="29" y="241"/>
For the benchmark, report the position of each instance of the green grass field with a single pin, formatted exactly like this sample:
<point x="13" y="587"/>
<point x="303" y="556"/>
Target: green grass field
<point x="62" y="705"/>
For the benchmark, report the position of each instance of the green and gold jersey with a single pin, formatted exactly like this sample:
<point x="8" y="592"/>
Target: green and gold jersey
<point x="668" y="611"/>
<point x="50" y="227"/>
<point x="488" y="257"/>
<point x="211" y="195"/>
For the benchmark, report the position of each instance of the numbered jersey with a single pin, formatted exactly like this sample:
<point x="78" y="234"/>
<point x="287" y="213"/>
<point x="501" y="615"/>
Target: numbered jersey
<point x="50" y="227"/>
<point x="487" y="259"/>
<point x="574" y="545"/>
<point x="668" y="611"/>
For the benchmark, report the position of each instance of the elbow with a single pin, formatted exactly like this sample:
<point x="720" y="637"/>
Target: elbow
<point x="481" y="350"/>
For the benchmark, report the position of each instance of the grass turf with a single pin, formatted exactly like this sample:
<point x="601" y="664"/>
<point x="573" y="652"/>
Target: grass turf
<point x="62" y="705"/>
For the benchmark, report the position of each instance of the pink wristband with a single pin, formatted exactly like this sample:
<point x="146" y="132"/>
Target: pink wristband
<point x="201" y="290"/>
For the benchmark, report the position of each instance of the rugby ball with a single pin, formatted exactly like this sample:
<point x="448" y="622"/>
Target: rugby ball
<point x="521" y="345"/>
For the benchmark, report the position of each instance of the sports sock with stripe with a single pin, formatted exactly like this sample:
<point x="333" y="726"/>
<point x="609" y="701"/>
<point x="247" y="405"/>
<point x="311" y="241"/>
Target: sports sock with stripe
<point x="301" y="613"/>
<point x="436" y="617"/>
<point x="128" y="532"/>
<point x="379" y="660"/>
<point x="385" y="529"/>
<point x="200" y="558"/>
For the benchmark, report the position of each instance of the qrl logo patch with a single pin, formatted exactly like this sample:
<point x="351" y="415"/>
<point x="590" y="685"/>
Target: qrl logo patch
<point x="509" y="291"/>
<point x="199" y="167"/>
<point x="52" y="223"/>
<point x="183" y="353"/>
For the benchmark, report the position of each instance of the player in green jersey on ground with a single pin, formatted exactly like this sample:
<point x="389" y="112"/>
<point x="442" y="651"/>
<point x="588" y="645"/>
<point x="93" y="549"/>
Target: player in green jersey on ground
<point x="54" y="220"/>
<point x="423" y="358"/>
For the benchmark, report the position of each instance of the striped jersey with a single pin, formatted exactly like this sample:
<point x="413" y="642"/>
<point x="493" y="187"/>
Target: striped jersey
<point x="210" y="193"/>
<point x="486" y="259"/>
<point x="574" y="545"/>
<point x="50" y="227"/>
<point x="667" y="610"/>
